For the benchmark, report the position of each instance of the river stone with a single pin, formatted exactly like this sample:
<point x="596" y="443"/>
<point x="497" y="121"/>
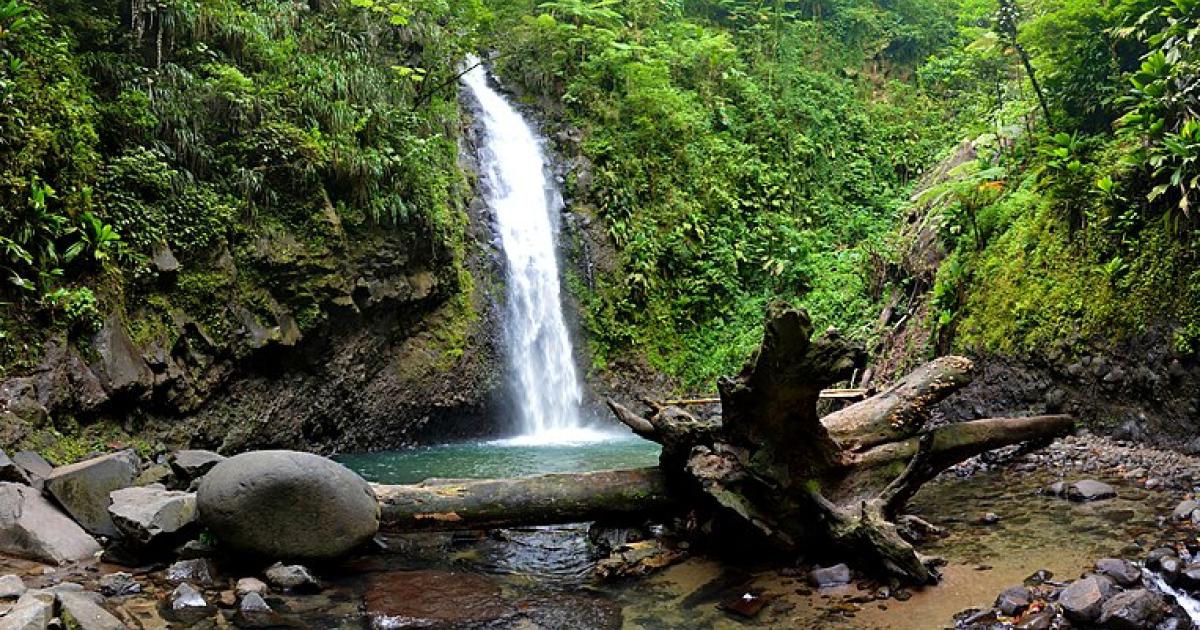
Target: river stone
<point x="1189" y="577"/>
<point x="287" y="505"/>
<point x="1041" y="620"/>
<point x="836" y="575"/>
<point x="119" y="584"/>
<point x="436" y="599"/>
<point x="151" y="515"/>
<point x="30" y="527"/>
<point x="1156" y="556"/>
<point x="1013" y="601"/>
<point x="248" y="585"/>
<point x="81" y="612"/>
<point x="253" y="612"/>
<point x="198" y="571"/>
<point x="1134" y="610"/>
<point x="1170" y="568"/>
<point x="193" y="464"/>
<point x="1090" y="490"/>
<point x="292" y="578"/>
<point x="188" y="606"/>
<point x="11" y="471"/>
<point x="83" y="488"/>
<point x="1184" y="510"/>
<point x="1082" y="600"/>
<point x="1123" y="572"/>
<point x="33" y="611"/>
<point x="11" y="587"/>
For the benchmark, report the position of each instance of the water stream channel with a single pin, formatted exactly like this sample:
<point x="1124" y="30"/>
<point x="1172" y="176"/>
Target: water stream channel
<point x="1036" y="532"/>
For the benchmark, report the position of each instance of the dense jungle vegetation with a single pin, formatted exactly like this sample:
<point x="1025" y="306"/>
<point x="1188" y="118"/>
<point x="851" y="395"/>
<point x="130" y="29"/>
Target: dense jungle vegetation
<point x="739" y="150"/>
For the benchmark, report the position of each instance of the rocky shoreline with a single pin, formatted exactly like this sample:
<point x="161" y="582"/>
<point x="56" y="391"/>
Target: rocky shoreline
<point x="115" y="542"/>
<point x="1117" y="593"/>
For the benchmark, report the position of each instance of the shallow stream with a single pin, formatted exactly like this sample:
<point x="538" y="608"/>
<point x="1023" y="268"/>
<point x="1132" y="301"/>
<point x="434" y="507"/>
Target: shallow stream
<point x="539" y="578"/>
<point x="536" y="567"/>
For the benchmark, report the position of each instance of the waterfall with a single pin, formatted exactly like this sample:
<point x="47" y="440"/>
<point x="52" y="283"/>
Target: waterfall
<point x="525" y="204"/>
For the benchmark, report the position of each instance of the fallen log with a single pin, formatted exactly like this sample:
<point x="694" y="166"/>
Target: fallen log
<point x="445" y="504"/>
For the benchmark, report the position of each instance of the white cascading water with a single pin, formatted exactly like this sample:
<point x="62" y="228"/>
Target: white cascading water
<point x="1189" y="604"/>
<point x="544" y="380"/>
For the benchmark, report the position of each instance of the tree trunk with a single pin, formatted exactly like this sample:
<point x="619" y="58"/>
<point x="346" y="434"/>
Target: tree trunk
<point x="445" y="504"/>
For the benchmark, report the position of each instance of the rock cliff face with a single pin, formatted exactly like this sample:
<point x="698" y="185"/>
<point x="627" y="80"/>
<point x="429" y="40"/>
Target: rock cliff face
<point x="358" y="340"/>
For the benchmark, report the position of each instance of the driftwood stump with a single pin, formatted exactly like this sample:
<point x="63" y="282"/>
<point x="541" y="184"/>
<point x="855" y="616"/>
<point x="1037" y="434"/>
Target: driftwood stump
<point x="842" y="480"/>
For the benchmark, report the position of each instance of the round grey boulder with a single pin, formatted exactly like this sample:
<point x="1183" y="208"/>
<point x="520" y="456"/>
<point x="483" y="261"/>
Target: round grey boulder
<point x="286" y="505"/>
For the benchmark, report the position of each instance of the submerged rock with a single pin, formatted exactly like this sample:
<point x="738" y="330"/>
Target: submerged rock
<point x="435" y="599"/>
<point x="83" y="488"/>
<point x="836" y="575"/>
<point x="574" y="611"/>
<point x="287" y="505"/>
<point x="30" y="527"/>
<point x="1090" y="490"/>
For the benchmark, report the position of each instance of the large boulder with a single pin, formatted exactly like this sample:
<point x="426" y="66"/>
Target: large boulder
<point x="30" y="527"/>
<point x="83" y="488"/>
<point x="287" y="505"/>
<point x="152" y="515"/>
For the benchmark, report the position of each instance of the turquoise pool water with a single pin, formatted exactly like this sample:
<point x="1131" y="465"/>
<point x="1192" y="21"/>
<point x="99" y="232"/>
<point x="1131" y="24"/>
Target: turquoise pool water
<point x="500" y="459"/>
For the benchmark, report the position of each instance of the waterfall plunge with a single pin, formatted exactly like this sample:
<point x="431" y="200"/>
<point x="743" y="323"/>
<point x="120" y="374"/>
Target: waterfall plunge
<point x="543" y="377"/>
